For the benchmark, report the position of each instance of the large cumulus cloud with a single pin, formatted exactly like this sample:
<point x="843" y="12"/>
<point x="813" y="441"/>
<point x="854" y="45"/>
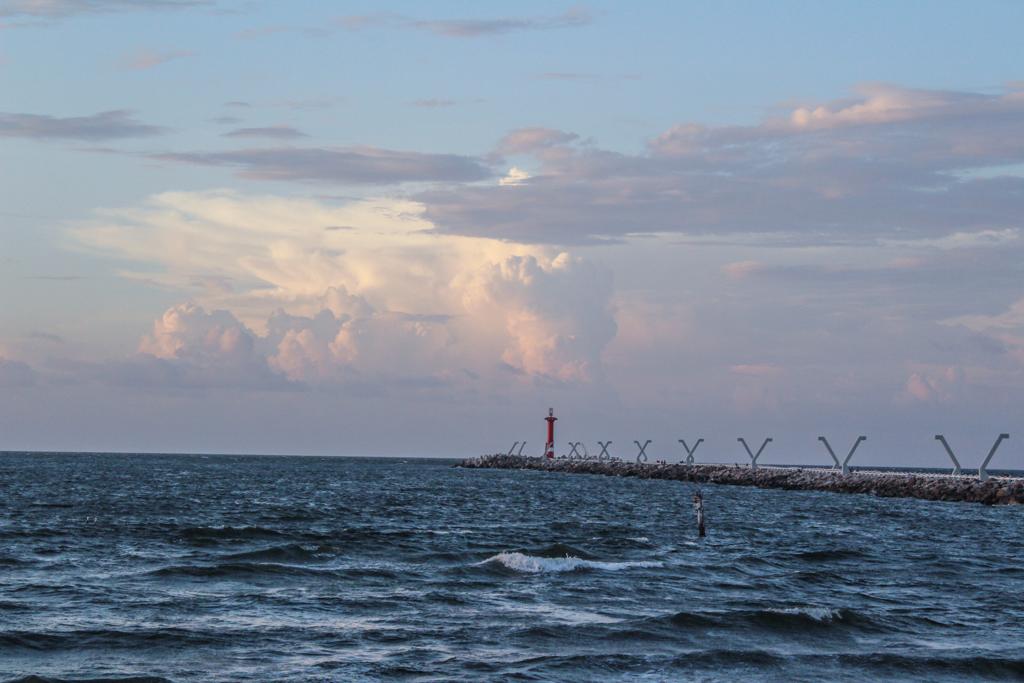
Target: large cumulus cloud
<point x="557" y="316"/>
<point x="317" y="293"/>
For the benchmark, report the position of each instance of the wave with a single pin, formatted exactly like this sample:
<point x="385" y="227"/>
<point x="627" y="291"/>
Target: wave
<point x="6" y="606"/>
<point x="105" y="639"/>
<point x="229" y="570"/>
<point x="964" y="668"/>
<point x="826" y="555"/>
<point x="214" y="535"/>
<point x="787" y="619"/>
<point x="292" y="552"/>
<point x="233" y="569"/>
<point x="531" y="564"/>
<point x="128" y="679"/>
<point x="800" y="615"/>
<point x="208" y="533"/>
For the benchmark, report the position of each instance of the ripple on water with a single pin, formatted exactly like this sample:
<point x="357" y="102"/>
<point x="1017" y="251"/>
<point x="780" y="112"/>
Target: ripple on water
<point x="290" y="569"/>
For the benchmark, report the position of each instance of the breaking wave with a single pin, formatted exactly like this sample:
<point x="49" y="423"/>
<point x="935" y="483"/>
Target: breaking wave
<point x="531" y="564"/>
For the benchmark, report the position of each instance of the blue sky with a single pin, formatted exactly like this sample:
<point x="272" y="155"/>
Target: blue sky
<point x="262" y="226"/>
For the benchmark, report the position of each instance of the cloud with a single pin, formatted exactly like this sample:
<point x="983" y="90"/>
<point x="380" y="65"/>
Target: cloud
<point x="528" y="140"/>
<point x="265" y="31"/>
<point x="390" y="309"/>
<point x="1010" y="319"/>
<point x="308" y="104"/>
<point x="580" y="76"/>
<point x="515" y="176"/>
<point x="107" y="125"/>
<point x="756" y="370"/>
<point x="385" y="301"/>
<point x="471" y="28"/>
<point x="147" y="59"/>
<point x="58" y="9"/>
<point x="14" y="373"/>
<point x="189" y="330"/>
<point x="567" y="76"/>
<point x="886" y="163"/>
<point x="361" y="165"/>
<point x="56" y="278"/>
<point x="574" y="17"/>
<point x="741" y="269"/>
<point x="557" y="314"/>
<point x="1005" y="330"/>
<point x="276" y="132"/>
<point x="46" y="336"/>
<point x="934" y="385"/>
<point x="964" y="240"/>
<point x="349" y="340"/>
<point x="878" y="103"/>
<point x="433" y="103"/>
<point x="192" y="348"/>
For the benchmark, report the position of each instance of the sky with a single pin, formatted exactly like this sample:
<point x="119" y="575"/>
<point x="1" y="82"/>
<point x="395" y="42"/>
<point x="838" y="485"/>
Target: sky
<point x="387" y="228"/>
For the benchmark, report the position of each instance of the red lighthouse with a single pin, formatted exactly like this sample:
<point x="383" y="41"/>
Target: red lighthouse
<point x="549" y="448"/>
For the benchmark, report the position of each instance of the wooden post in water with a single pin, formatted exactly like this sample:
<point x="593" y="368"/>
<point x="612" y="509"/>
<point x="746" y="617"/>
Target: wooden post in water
<point x="698" y="507"/>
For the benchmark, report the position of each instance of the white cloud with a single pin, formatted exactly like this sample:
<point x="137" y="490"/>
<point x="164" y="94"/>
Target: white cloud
<point x="188" y="331"/>
<point x="515" y="176"/>
<point x="1011" y="319"/>
<point x="557" y="314"/>
<point x="963" y="240"/>
<point x="384" y="298"/>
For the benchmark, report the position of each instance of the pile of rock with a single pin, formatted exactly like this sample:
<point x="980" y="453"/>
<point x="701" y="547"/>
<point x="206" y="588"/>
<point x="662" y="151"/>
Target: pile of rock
<point x="994" y="491"/>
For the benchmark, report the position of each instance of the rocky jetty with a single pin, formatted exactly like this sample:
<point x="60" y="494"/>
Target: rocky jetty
<point x="994" y="491"/>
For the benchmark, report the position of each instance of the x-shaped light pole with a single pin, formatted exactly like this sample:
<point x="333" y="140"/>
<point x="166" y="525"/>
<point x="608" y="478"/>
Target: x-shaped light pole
<point x="690" y="451"/>
<point x="844" y="465"/>
<point x="754" y="456"/>
<point x="642" y="455"/>
<point x="604" y="450"/>
<point x="982" y="473"/>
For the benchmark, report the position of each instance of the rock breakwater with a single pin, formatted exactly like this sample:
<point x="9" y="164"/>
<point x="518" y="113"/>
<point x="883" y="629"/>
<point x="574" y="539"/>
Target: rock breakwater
<point x="994" y="491"/>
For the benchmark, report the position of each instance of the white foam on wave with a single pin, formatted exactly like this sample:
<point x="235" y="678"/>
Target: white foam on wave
<point x="560" y="614"/>
<point x="822" y="614"/>
<point x="530" y="564"/>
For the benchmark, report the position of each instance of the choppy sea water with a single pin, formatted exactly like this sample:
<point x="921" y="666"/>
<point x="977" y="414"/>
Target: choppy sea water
<point x="194" y="568"/>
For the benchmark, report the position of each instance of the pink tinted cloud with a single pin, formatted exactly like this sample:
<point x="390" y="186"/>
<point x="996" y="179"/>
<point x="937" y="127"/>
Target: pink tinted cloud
<point x="741" y="269"/>
<point x="756" y="370"/>
<point x="527" y="140"/>
<point x="147" y="59"/>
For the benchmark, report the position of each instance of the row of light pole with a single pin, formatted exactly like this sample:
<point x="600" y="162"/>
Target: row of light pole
<point x="843" y="465"/>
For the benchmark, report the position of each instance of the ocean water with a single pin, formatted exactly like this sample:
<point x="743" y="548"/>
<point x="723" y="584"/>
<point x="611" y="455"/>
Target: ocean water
<point x="195" y="568"/>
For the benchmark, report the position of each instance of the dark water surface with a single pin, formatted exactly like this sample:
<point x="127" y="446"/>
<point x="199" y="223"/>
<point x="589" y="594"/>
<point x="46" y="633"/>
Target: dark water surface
<point x="194" y="568"/>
